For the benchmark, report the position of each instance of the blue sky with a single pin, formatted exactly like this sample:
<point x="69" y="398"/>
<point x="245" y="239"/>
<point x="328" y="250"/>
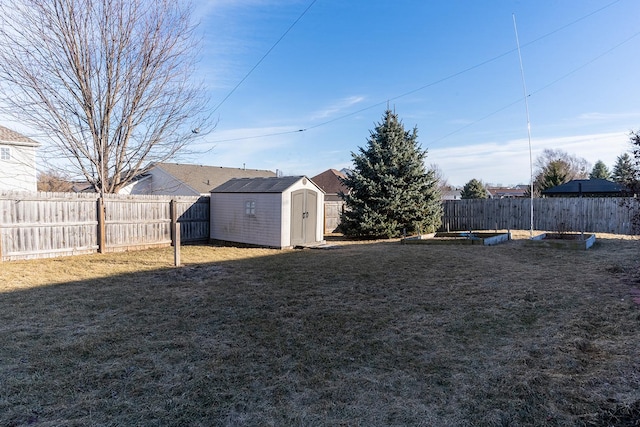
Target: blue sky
<point x="450" y="68"/>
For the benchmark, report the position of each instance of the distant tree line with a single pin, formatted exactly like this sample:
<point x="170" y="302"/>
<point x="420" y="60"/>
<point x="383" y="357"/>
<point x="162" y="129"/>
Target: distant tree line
<point x="557" y="167"/>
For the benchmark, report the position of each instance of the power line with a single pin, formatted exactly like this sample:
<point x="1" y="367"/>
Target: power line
<point x="446" y="78"/>
<point x="582" y="18"/>
<point x="471" y="68"/>
<point x="259" y="136"/>
<point x="263" y="57"/>
<point x="564" y="76"/>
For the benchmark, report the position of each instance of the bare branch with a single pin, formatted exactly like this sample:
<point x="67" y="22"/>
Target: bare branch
<point x="110" y="81"/>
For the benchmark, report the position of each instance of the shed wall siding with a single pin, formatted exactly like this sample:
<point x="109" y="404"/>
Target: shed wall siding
<point x="229" y="221"/>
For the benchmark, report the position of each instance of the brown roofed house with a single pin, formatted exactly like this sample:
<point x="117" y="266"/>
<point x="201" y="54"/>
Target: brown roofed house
<point x="329" y="181"/>
<point x="507" y="192"/>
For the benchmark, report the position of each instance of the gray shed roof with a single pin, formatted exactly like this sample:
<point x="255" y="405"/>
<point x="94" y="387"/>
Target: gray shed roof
<point x="257" y="185"/>
<point x="589" y="186"/>
<point x="204" y="178"/>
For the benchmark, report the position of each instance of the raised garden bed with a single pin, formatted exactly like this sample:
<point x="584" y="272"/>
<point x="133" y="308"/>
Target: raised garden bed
<point x="458" y="238"/>
<point x="564" y="240"/>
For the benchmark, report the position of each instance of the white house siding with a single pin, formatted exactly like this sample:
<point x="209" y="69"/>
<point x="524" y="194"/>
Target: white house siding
<point x="229" y="221"/>
<point x="18" y="172"/>
<point x="158" y="181"/>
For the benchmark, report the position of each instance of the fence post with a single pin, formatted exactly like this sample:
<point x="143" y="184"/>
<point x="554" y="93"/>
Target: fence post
<point x="173" y="213"/>
<point x="102" y="235"/>
<point x="176" y="247"/>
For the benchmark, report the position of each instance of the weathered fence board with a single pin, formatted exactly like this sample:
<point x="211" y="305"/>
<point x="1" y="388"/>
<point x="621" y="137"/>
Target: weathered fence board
<point x="590" y="214"/>
<point x="39" y="225"/>
<point x="133" y="222"/>
<point x="194" y="219"/>
<point x="332" y="211"/>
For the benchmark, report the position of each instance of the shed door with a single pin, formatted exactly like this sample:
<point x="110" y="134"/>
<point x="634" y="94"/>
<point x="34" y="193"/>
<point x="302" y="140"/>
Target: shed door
<point x="303" y="217"/>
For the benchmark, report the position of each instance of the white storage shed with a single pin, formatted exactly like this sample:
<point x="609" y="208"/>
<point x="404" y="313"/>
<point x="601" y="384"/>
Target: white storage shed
<point x="274" y="212"/>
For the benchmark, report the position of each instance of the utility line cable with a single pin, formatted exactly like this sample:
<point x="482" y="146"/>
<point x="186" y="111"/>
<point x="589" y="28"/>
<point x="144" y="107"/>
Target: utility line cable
<point x="493" y="113"/>
<point x="443" y="79"/>
<point x="627" y="40"/>
<point x="564" y="76"/>
<point x="263" y="57"/>
<point x="471" y="68"/>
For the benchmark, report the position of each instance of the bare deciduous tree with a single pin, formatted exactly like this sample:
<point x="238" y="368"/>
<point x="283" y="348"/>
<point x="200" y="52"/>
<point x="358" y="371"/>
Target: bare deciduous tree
<point x="555" y="167"/>
<point x="577" y="167"/>
<point x="109" y="81"/>
<point x="55" y="181"/>
<point x="443" y="182"/>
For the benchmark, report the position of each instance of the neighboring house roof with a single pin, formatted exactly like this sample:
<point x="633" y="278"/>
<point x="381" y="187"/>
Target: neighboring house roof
<point x="204" y="178"/>
<point x="257" y="185"/>
<point x="329" y="181"/>
<point x="587" y="187"/>
<point x="9" y="136"/>
<point x="199" y="179"/>
<point x="506" y="192"/>
<point x="82" y="187"/>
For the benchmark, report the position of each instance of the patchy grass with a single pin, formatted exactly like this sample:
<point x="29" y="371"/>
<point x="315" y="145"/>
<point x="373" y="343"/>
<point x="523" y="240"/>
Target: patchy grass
<point x="372" y="333"/>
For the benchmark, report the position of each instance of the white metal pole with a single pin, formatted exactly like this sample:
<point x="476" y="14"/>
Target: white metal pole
<point x="526" y="106"/>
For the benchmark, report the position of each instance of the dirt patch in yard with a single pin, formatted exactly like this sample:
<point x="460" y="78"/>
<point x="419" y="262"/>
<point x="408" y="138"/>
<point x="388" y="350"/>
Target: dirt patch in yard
<point x="371" y="333"/>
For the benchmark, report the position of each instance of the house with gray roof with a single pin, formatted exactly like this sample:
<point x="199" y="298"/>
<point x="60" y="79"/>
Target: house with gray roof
<point x="279" y="212"/>
<point x="176" y="179"/>
<point x="17" y="161"/>
<point x="588" y="188"/>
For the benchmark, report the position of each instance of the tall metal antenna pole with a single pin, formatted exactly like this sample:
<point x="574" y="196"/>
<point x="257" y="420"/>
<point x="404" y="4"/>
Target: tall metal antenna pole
<point x="526" y="106"/>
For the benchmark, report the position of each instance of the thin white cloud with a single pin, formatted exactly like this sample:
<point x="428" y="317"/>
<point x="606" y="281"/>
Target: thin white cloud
<point x="609" y="116"/>
<point x="210" y="7"/>
<point x="460" y="122"/>
<point x="337" y="107"/>
<point x="508" y="163"/>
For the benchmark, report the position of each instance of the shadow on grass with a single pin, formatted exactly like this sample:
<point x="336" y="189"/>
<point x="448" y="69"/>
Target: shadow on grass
<point x="374" y="333"/>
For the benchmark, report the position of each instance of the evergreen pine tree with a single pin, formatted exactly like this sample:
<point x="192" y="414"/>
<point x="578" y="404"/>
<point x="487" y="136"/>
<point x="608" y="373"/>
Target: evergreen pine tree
<point x="390" y="189"/>
<point x="599" y="171"/>
<point x="624" y="171"/>
<point x="555" y="173"/>
<point x="474" y="189"/>
<point x="632" y="181"/>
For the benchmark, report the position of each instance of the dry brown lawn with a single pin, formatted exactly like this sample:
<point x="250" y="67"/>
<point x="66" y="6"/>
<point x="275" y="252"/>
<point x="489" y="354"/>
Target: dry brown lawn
<point x="367" y="334"/>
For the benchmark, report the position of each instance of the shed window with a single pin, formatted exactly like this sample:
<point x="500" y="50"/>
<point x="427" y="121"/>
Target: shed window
<point x="5" y="153"/>
<point x="250" y="208"/>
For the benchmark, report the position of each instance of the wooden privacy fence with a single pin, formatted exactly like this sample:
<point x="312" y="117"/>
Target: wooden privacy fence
<point x="332" y="211"/>
<point x="590" y="214"/>
<point x="41" y="225"/>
